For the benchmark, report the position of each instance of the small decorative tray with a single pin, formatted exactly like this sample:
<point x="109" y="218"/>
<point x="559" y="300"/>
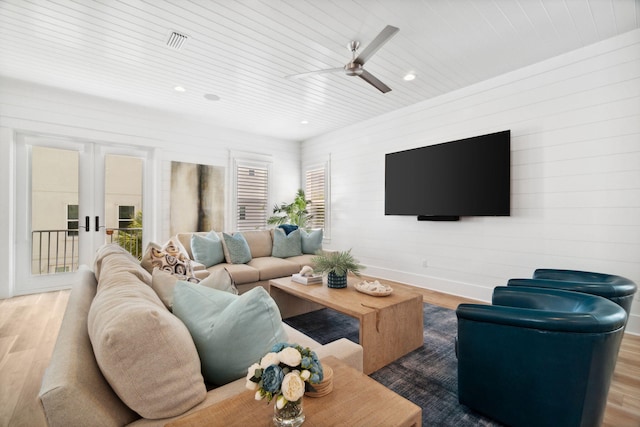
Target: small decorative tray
<point x="375" y="288"/>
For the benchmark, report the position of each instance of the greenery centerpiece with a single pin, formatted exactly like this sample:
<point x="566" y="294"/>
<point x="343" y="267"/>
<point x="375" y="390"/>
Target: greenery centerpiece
<point x="337" y="264"/>
<point x="294" y="213"/>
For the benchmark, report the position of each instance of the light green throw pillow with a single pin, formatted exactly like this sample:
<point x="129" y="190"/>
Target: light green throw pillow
<point x="311" y="242"/>
<point x="207" y="249"/>
<point x="231" y="332"/>
<point x="286" y="245"/>
<point x="238" y="248"/>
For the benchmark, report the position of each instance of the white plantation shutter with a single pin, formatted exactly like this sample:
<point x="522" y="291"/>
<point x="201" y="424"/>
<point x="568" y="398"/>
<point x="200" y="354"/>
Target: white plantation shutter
<point x="315" y="190"/>
<point x="252" y="192"/>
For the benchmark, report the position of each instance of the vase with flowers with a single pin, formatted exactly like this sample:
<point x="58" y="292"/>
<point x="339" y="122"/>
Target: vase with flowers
<point x="285" y="373"/>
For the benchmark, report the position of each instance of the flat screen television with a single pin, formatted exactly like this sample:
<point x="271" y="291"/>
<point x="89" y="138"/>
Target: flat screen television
<point x="468" y="177"/>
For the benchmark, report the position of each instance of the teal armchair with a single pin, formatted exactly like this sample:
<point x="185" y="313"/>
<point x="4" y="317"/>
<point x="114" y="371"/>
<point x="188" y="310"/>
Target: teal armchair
<point x="538" y="357"/>
<point x="616" y="288"/>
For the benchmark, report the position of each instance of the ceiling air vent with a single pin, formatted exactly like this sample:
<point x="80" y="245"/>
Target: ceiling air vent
<point x="177" y="40"/>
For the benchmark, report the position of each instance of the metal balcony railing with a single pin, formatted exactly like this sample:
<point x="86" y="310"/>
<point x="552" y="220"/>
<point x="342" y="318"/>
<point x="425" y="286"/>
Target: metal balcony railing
<point x="56" y="251"/>
<point x="128" y="238"/>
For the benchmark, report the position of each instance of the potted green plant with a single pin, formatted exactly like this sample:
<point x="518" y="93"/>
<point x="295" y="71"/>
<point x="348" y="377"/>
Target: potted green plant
<point x="336" y="264"/>
<point x="294" y="213"/>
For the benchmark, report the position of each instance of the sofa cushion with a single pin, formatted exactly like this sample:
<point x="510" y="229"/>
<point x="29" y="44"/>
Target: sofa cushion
<point x="74" y="392"/>
<point x="236" y="248"/>
<point x="286" y="245"/>
<point x="230" y="331"/>
<point x="185" y="240"/>
<point x="311" y="241"/>
<point x="126" y="263"/>
<point x="242" y="273"/>
<point x="260" y="242"/>
<point x="272" y="267"/>
<point x="145" y="353"/>
<point x="207" y="249"/>
<point x="302" y="260"/>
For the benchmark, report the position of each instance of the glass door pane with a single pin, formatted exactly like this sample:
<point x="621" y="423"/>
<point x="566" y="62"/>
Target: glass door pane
<point x="123" y="202"/>
<point x="54" y="210"/>
<point x="71" y="198"/>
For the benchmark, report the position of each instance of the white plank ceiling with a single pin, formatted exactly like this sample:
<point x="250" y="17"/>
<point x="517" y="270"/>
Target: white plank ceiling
<point x="240" y="51"/>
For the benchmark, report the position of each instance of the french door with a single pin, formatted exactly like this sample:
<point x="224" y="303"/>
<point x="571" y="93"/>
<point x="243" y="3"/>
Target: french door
<point x="73" y="196"/>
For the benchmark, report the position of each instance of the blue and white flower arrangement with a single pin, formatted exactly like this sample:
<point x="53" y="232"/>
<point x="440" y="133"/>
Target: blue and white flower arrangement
<point x="284" y="373"/>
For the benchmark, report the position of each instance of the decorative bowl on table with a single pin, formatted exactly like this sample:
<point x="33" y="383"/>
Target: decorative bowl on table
<point x="374" y="288"/>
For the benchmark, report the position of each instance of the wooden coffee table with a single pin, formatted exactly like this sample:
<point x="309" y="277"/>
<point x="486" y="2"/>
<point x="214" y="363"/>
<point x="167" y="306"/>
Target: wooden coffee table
<point x="356" y="400"/>
<point x="390" y="326"/>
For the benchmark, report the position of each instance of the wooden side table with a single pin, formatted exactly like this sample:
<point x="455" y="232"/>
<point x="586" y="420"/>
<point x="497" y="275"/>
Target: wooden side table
<point x="356" y="400"/>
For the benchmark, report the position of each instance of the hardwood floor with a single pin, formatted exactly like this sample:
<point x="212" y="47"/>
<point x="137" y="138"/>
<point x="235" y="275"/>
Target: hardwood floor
<point x="29" y="327"/>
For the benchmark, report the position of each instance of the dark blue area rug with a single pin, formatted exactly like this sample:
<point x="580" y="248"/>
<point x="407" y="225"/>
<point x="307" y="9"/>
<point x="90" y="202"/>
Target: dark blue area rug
<point x="427" y="376"/>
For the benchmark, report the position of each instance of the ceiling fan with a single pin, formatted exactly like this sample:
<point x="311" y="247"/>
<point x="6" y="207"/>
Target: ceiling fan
<point x="356" y="66"/>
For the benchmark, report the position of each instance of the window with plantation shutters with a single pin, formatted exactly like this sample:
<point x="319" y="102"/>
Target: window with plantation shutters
<point x="315" y="191"/>
<point x="252" y="192"/>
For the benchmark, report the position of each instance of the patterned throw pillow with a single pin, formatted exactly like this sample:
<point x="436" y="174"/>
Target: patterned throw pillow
<point x="169" y="258"/>
<point x="286" y="245"/>
<point x="237" y="248"/>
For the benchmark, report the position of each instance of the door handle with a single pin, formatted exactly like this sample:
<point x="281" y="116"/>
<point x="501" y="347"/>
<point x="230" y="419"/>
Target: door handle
<point x="97" y="223"/>
<point x="87" y="226"/>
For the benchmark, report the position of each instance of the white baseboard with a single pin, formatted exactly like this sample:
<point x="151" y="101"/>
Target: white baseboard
<point x="633" y="325"/>
<point x="466" y="290"/>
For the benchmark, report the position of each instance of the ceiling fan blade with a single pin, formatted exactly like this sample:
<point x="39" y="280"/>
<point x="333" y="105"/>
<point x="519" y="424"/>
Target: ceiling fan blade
<point x="384" y="36"/>
<point x="313" y="73"/>
<point x="369" y="78"/>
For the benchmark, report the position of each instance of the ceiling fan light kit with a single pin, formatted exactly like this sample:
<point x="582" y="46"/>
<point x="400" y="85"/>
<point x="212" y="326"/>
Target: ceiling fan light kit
<point x="356" y="66"/>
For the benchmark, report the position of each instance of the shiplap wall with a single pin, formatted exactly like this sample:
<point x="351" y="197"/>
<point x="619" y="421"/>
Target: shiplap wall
<point x="575" y="186"/>
<point x="26" y="107"/>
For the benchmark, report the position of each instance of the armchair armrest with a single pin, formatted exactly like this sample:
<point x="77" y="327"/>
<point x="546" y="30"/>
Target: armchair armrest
<point x="546" y="309"/>
<point x="607" y="290"/>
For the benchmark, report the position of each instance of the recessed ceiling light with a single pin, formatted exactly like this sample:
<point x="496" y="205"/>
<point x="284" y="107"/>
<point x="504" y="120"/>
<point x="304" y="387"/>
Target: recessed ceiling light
<point x="179" y="89"/>
<point x="409" y="76"/>
<point x="211" y="97"/>
<point x="304" y="122"/>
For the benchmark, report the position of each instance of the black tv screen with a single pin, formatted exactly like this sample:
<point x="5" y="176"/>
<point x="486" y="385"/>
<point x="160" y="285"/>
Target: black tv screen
<point x="468" y="177"/>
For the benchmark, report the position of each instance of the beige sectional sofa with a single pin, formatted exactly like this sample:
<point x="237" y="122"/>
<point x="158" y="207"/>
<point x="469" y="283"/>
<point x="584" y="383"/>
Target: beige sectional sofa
<point x="122" y="358"/>
<point x="262" y="267"/>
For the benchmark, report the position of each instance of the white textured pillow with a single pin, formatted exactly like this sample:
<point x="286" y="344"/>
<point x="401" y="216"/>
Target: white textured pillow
<point x="164" y="283"/>
<point x="145" y="353"/>
<point x="220" y="280"/>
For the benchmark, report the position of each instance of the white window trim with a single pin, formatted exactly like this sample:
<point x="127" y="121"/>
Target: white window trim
<point x="246" y="159"/>
<point x="327" y="188"/>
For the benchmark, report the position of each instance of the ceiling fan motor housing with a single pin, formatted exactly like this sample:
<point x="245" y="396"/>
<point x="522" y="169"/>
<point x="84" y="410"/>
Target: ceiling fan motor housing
<point x="353" y="69"/>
